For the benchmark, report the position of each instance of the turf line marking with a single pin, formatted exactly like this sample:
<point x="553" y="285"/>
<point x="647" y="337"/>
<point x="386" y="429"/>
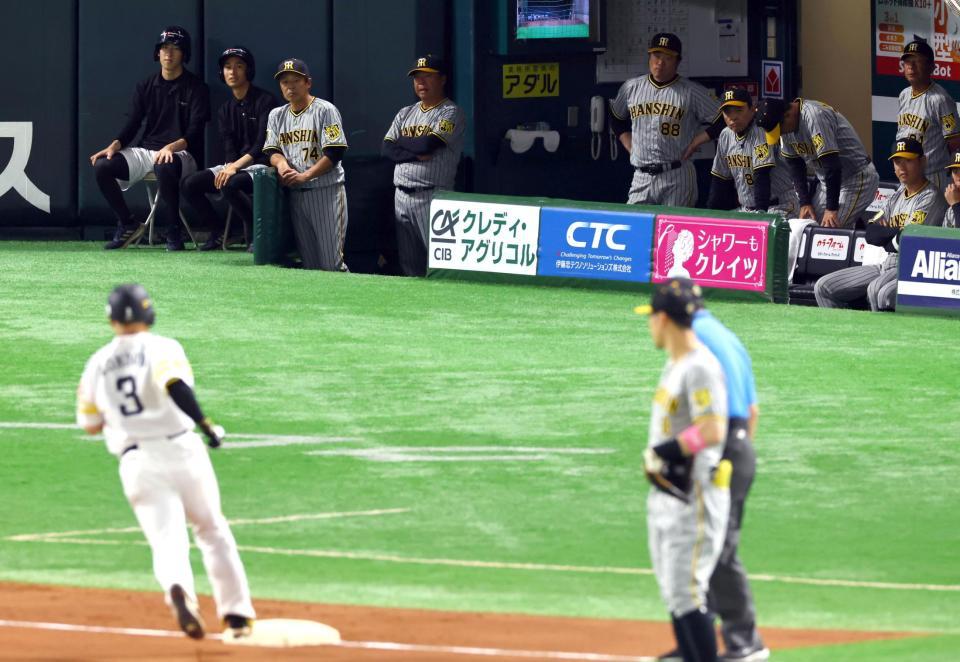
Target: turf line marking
<point x="39" y="426"/>
<point x="365" y="645"/>
<point x="66" y="536"/>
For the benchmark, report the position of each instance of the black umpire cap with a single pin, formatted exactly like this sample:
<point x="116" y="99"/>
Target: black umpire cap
<point x="770" y="113"/>
<point x="906" y="148"/>
<point x="130" y="303"/>
<point x="292" y="65"/>
<point x="917" y="47"/>
<point x="737" y="97"/>
<point x="429" y="64"/>
<point x="665" y="42"/>
<point x="242" y="53"/>
<point x="679" y="298"/>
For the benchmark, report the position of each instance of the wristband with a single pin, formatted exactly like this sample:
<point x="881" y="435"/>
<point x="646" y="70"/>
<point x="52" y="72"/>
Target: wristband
<point x="692" y="440"/>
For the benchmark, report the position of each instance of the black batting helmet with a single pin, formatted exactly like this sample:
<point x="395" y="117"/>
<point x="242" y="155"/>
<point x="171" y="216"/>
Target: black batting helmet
<point x="179" y="37"/>
<point x="130" y="303"/>
<point x="242" y="53"/>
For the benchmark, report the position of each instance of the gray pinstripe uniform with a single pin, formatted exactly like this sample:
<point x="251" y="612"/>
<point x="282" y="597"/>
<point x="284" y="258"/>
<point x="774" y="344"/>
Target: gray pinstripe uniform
<point x="879" y="281"/>
<point x="417" y="181"/>
<point x="823" y="131"/>
<point x="318" y="208"/>
<point x="664" y="119"/>
<point x="950" y="219"/>
<point x="931" y="119"/>
<point x="686" y="539"/>
<point x="739" y="157"/>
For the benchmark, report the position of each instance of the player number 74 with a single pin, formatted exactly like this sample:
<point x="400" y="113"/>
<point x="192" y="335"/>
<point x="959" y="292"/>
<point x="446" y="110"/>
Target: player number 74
<point x="310" y="153"/>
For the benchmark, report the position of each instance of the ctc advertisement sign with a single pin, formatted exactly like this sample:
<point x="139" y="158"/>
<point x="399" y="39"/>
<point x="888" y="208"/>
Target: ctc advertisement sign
<point x="722" y="253"/>
<point x="584" y="243"/>
<point x="930" y="270"/>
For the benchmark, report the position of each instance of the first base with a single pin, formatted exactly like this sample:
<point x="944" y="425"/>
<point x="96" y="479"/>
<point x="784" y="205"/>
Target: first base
<point x="285" y="633"/>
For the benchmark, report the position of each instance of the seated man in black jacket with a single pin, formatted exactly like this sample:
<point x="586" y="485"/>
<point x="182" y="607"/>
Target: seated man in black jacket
<point x="175" y="105"/>
<point x="243" y="128"/>
<point x="916" y="201"/>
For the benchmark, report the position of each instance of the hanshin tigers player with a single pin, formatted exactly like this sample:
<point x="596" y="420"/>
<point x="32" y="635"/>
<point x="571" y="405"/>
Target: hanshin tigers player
<point x="306" y="142"/>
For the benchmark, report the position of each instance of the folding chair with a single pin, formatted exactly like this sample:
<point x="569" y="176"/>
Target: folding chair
<point x="152" y="196"/>
<point x="226" y="230"/>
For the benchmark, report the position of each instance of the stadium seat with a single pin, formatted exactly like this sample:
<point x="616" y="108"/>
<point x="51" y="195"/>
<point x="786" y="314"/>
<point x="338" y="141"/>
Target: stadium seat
<point x="152" y="195"/>
<point x="823" y="251"/>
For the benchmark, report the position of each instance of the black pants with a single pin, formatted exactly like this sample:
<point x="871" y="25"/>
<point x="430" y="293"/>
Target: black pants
<point x="108" y="171"/>
<point x="730" y="596"/>
<point x="237" y="191"/>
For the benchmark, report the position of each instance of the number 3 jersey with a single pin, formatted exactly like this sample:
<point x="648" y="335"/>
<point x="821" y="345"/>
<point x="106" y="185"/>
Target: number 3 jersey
<point x="124" y="386"/>
<point x="302" y="137"/>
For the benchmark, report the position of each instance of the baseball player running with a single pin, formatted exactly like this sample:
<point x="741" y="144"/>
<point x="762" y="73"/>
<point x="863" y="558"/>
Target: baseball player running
<point x="916" y="201"/>
<point x="173" y="107"/>
<point x="138" y="391"/>
<point x="687" y="507"/>
<point x="812" y="133"/>
<point x="305" y="143"/>
<point x="952" y="194"/>
<point x="745" y="166"/>
<point x="927" y="113"/>
<point x="655" y="117"/>
<point x="243" y="128"/>
<point x="425" y="141"/>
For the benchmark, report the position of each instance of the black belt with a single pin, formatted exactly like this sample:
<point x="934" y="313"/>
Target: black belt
<point x="128" y="449"/>
<point x="410" y="190"/>
<point x="658" y="168"/>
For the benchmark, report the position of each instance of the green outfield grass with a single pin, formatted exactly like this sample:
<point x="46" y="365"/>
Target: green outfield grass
<point x="505" y="424"/>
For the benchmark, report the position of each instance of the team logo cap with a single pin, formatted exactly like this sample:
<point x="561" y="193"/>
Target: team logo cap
<point x="956" y="161"/>
<point x="917" y="47"/>
<point x="906" y="148"/>
<point x="736" y="97"/>
<point x="430" y="64"/>
<point x="770" y="114"/>
<point x="665" y="42"/>
<point x="679" y="298"/>
<point x="292" y="65"/>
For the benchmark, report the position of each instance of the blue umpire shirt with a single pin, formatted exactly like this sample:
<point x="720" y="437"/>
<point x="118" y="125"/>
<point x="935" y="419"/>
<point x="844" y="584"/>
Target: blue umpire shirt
<point x="733" y="357"/>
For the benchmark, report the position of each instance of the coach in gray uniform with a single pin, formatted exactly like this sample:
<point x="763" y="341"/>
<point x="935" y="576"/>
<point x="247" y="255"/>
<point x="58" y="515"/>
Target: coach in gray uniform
<point x="952" y="194"/>
<point x="745" y="169"/>
<point x="927" y="113"/>
<point x="306" y="142"/>
<point x="425" y="141"/>
<point x="656" y="117"/>
<point x="915" y="202"/>
<point x="688" y="506"/>
<point x="812" y="133"/>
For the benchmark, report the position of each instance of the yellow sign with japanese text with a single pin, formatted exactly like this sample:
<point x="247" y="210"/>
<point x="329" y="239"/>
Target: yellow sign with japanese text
<point x="531" y="80"/>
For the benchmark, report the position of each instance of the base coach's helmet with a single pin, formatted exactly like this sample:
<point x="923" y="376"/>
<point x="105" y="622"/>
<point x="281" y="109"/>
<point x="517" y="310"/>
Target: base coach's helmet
<point x="242" y="53"/>
<point x="177" y="36"/>
<point x="130" y="303"/>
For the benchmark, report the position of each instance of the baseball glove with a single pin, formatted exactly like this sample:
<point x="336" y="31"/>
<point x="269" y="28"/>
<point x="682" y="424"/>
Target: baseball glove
<point x="670" y="476"/>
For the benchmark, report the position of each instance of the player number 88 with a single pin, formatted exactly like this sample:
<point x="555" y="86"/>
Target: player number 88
<point x="670" y="129"/>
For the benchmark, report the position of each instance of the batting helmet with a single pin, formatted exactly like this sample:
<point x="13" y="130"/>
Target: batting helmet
<point x="177" y="36"/>
<point x="130" y="303"/>
<point x="242" y="53"/>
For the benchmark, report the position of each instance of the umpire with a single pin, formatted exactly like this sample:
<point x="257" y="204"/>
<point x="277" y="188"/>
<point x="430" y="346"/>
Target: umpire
<point x="729" y="596"/>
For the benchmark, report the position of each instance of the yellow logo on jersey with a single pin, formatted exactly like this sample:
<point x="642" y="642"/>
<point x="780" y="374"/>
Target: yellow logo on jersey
<point x="702" y="398"/>
<point x="661" y="397"/>
<point x="949" y="122"/>
<point x="817" y="142"/>
<point x="667" y="428"/>
<point x="762" y="151"/>
<point x="332" y="132"/>
<point x="446" y="126"/>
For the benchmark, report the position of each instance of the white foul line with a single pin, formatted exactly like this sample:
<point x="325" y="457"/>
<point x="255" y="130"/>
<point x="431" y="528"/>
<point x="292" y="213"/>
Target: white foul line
<point x="366" y="645"/>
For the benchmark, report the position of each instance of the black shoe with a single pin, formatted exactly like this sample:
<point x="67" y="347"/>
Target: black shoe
<point x="250" y="247"/>
<point x="125" y="235"/>
<point x="212" y="243"/>
<point x="672" y="656"/>
<point x="175" y="244"/>
<point x="757" y="653"/>
<point x="186" y="612"/>
<point x="237" y="627"/>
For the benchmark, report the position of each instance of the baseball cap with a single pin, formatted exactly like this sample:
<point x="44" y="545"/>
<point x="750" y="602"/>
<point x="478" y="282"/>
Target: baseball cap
<point x="679" y="298"/>
<point x="293" y="65"/>
<point x="956" y="161"/>
<point x="665" y="42"/>
<point x="770" y="113"/>
<point x="917" y="47"/>
<point x="430" y="64"/>
<point x="736" y="97"/>
<point x="906" y="148"/>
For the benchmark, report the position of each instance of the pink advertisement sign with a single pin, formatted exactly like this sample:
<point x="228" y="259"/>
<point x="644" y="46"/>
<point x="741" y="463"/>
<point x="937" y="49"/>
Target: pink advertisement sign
<point x="729" y="254"/>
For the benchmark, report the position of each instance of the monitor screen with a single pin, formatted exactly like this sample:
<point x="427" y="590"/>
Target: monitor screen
<point x="555" y="19"/>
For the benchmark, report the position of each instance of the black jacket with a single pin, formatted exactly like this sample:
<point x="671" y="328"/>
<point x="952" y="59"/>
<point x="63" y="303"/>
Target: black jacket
<point x="243" y="125"/>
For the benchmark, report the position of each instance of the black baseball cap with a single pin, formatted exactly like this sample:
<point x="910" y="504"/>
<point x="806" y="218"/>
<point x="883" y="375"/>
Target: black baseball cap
<point x="956" y="161"/>
<point x="292" y="65"/>
<point x="736" y="97"/>
<point x="665" y="42"/>
<point x="917" y="47"/>
<point x="429" y="64"/>
<point x="770" y="114"/>
<point x="679" y="298"/>
<point x="906" y="148"/>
